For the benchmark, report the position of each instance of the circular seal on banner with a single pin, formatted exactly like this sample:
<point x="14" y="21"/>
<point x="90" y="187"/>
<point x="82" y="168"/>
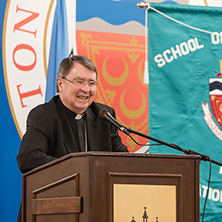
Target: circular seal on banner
<point x="26" y="37"/>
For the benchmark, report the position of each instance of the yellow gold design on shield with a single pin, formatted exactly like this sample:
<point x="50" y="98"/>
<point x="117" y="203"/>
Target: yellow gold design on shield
<point x="134" y="41"/>
<point x="85" y="38"/>
<point x="133" y="56"/>
<point x="130" y="113"/>
<point x="110" y="95"/>
<point x="116" y="81"/>
<point x="141" y="72"/>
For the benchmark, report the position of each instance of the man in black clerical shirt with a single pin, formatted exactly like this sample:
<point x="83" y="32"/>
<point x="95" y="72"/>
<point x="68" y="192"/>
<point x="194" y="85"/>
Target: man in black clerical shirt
<point x="53" y="128"/>
<point x="70" y="121"/>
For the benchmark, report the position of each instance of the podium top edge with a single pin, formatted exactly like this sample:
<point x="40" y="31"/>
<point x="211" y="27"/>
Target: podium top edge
<point x="122" y="154"/>
<point x="125" y="154"/>
<point x="112" y="154"/>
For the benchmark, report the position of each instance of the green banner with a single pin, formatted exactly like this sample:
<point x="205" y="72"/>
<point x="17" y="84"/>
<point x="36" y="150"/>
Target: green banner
<point x="185" y="89"/>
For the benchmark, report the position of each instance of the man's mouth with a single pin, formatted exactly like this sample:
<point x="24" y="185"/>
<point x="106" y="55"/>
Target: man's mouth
<point x="83" y="97"/>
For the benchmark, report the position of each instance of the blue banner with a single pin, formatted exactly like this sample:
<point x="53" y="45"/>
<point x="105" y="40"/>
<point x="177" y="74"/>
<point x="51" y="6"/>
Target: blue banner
<point x="59" y="48"/>
<point x="10" y="186"/>
<point x="185" y="96"/>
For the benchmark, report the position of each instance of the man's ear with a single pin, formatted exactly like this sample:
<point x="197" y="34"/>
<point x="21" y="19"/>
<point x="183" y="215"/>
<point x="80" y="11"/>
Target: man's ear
<point x="59" y="84"/>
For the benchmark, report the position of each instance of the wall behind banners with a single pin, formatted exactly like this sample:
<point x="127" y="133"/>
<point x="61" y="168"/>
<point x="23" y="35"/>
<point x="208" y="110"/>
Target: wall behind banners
<point x="111" y="34"/>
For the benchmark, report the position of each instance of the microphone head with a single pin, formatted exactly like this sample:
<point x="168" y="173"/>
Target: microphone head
<point x="102" y="113"/>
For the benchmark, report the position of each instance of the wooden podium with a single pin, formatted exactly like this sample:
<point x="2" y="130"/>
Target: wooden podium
<point x="88" y="187"/>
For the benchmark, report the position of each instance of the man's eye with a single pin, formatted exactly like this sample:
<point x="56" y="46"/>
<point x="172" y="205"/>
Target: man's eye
<point x="79" y="81"/>
<point x="92" y="83"/>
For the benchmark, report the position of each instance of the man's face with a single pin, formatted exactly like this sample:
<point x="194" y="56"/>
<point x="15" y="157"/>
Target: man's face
<point x="79" y="95"/>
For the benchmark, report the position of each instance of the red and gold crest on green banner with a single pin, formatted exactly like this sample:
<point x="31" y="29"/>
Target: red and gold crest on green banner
<point x="119" y="59"/>
<point x="216" y="98"/>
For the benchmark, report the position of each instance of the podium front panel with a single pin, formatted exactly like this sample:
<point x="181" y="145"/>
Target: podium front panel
<point x="112" y="187"/>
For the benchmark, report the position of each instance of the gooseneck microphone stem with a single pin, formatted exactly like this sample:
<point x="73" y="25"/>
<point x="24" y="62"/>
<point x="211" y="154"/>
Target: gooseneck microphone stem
<point x="174" y="146"/>
<point x="155" y="140"/>
<point x="109" y="118"/>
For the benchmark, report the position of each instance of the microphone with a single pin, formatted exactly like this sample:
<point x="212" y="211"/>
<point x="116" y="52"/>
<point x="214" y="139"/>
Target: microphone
<point x="109" y="118"/>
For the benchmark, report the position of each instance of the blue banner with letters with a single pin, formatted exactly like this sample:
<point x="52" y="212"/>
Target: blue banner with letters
<point x="185" y="91"/>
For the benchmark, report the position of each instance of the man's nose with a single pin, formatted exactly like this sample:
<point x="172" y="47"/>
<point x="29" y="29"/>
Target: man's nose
<point x="85" y="87"/>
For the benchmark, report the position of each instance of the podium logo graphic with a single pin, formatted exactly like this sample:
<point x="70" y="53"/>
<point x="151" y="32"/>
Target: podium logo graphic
<point x="145" y="217"/>
<point x="130" y="199"/>
<point x="215" y="93"/>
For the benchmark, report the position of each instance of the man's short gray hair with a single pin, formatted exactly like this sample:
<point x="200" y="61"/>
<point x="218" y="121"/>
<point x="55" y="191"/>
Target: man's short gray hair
<point x="67" y="64"/>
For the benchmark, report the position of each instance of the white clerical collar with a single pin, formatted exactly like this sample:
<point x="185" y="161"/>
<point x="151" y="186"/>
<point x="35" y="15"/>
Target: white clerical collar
<point x="79" y="116"/>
